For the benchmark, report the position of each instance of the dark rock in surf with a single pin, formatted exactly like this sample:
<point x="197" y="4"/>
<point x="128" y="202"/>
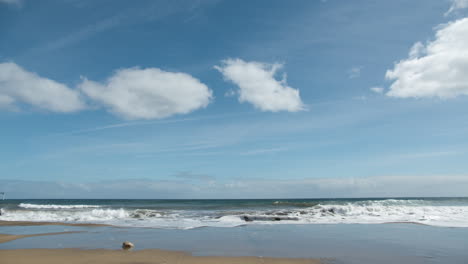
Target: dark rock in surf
<point x="247" y="219"/>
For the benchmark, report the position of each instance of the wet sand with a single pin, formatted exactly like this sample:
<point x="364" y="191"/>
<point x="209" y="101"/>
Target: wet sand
<point x="6" y="237"/>
<point x="353" y="244"/>
<point x="102" y="256"/>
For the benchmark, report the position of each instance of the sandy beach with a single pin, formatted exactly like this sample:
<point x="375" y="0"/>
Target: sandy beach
<point x="71" y="255"/>
<point x="59" y="256"/>
<point x="408" y="243"/>
<point x="6" y="237"/>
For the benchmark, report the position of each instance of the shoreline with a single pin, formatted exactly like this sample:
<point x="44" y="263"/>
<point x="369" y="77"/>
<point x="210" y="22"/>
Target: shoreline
<point x="32" y="223"/>
<point x="287" y="244"/>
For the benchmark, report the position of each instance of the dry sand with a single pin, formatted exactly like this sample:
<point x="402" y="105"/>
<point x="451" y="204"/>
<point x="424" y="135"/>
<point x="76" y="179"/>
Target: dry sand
<point x="101" y="256"/>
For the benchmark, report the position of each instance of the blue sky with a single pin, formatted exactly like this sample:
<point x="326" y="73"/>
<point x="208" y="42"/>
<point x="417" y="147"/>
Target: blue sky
<point x="229" y="99"/>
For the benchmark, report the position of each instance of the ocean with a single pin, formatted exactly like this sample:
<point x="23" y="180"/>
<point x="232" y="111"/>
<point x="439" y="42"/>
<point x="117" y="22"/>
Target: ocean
<point x="190" y="214"/>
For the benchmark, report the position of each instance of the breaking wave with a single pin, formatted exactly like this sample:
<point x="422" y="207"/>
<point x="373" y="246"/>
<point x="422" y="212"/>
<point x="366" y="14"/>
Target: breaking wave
<point x="332" y="212"/>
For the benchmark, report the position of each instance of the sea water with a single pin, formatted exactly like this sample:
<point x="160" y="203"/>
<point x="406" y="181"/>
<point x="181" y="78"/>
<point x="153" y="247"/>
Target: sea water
<point x="189" y="214"/>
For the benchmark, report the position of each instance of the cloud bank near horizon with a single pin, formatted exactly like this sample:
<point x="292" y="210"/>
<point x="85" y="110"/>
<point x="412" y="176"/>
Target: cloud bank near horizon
<point x="196" y="187"/>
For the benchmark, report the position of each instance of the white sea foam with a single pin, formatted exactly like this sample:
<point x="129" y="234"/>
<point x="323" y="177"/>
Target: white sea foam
<point x="122" y="217"/>
<point x="94" y="215"/>
<point x="56" y="206"/>
<point x="453" y="216"/>
<point x="362" y="212"/>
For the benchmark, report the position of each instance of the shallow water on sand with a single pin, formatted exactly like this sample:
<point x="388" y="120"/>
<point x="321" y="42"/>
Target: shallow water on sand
<point x="390" y="243"/>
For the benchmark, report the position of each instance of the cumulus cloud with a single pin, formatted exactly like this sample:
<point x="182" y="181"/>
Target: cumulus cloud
<point x="437" y="69"/>
<point x="132" y="93"/>
<point x="258" y="86"/>
<point x="18" y="86"/>
<point x="377" y="89"/>
<point x="148" y="93"/>
<point x="456" y="5"/>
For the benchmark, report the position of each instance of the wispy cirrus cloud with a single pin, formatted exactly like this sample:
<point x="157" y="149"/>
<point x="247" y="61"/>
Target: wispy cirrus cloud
<point x="148" y="123"/>
<point x="263" y="151"/>
<point x="457" y="5"/>
<point x="354" y="72"/>
<point x="377" y="89"/>
<point x="151" y="12"/>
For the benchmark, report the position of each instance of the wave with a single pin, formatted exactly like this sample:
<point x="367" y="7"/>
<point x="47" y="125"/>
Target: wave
<point x="56" y="206"/>
<point x="94" y="215"/>
<point x="356" y="212"/>
<point x="378" y="212"/>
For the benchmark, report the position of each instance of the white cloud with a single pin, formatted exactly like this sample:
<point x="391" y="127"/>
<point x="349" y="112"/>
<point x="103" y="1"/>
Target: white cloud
<point x="376" y="89"/>
<point x="456" y="5"/>
<point x="20" y="86"/>
<point x="148" y="93"/>
<point x="437" y="69"/>
<point x="417" y="50"/>
<point x="132" y="93"/>
<point x="354" y="72"/>
<point x="258" y="86"/>
<point x="6" y="101"/>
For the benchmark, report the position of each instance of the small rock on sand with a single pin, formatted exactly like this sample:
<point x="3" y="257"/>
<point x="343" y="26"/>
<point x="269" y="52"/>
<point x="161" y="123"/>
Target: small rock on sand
<point x="127" y="245"/>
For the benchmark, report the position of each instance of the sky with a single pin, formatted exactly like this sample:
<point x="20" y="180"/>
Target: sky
<point x="233" y="99"/>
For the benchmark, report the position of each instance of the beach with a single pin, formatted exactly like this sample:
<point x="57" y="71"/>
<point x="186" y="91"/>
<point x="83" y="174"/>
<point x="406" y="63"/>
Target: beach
<point x="333" y="243"/>
<point x="222" y="132"/>
<point x="337" y="231"/>
<point x="6" y="237"/>
<point x="59" y="256"/>
<point x="74" y="255"/>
